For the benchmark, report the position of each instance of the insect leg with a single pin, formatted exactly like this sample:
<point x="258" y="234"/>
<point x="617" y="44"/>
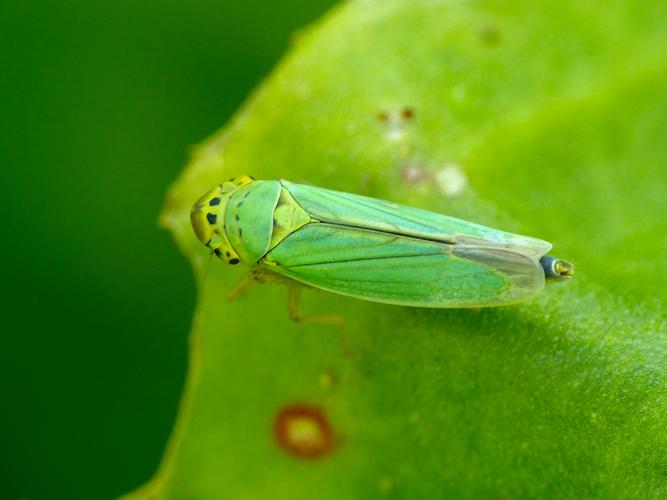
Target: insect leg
<point x="241" y="287"/>
<point x="294" y="303"/>
<point x="255" y="276"/>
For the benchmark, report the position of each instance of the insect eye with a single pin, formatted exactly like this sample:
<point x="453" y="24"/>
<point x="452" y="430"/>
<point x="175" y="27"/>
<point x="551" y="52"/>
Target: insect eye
<point x="233" y="261"/>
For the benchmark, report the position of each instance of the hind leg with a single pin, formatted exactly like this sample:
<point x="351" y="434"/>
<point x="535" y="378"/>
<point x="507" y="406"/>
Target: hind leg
<point x="294" y="303"/>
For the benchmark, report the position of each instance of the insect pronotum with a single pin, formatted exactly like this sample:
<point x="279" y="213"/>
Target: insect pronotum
<point x="371" y="249"/>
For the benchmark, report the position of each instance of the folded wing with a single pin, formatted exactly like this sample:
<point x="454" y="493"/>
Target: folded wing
<point x="360" y="211"/>
<point x="397" y="269"/>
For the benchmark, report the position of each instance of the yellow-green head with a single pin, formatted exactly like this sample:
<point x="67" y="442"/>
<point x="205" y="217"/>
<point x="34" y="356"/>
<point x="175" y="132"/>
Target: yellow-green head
<point x="208" y="218"/>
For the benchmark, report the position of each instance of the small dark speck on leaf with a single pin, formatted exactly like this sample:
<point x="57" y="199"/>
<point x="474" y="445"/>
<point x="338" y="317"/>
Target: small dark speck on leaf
<point x="407" y="113"/>
<point x="383" y="116"/>
<point x="303" y="431"/>
<point x="490" y="35"/>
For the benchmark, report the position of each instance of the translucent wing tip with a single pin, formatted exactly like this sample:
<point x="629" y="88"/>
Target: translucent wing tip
<point x="556" y="269"/>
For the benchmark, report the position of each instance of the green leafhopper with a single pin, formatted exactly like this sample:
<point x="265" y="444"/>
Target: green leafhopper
<point x="371" y="249"/>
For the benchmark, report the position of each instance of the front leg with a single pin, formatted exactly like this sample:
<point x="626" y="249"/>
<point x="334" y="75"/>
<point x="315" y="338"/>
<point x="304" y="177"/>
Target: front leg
<point x="255" y="276"/>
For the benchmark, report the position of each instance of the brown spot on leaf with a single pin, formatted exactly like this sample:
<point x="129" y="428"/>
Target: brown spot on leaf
<point x="490" y="35"/>
<point x="383" y="116"/>
<point x="304" y="431"/>
<point x="407" y="113"/>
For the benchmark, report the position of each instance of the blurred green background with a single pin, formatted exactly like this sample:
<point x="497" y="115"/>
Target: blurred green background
<point x="100" y="102"/>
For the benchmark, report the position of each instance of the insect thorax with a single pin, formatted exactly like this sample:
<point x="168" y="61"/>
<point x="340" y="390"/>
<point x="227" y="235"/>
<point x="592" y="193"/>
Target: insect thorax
<point x="242" y="219"/>
<point x="259" y="216"/>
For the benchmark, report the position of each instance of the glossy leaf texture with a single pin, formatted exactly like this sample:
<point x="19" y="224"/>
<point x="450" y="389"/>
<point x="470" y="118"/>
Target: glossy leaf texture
<point x="546" y="119"/>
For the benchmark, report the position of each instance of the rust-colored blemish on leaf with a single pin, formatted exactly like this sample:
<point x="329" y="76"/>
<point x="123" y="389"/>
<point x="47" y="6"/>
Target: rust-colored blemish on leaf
<point x="407" y="113"/>
<point x="304" y="431"/>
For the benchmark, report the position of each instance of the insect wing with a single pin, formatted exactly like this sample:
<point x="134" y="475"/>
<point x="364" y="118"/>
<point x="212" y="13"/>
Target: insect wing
<point x="396" y="269"/>
<point x="363" y="212"/>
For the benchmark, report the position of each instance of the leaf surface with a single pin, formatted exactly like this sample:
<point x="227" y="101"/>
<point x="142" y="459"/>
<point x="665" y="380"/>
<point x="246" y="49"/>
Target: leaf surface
<point x="545" y="119"/>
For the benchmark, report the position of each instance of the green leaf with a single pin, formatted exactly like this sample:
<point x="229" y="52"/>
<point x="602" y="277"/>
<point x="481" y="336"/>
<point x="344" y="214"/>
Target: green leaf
<point x="549" y="120"/>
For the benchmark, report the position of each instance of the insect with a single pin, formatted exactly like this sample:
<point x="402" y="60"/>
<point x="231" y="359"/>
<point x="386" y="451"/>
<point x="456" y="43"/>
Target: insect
<point x="369" y="248"/>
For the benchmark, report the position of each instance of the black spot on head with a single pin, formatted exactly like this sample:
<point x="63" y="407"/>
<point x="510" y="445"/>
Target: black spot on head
<point x="236" y="217"/>
<point x="217" y="252"/>
<point x="227" y="254"/>
<point x="246" y="194"/>
<point x="211" y="218"/>
<point x="233" y="261"/>
<point x="215" y="201"/>
<point x="240" y="233"/>
<point x="238" y="205"/>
